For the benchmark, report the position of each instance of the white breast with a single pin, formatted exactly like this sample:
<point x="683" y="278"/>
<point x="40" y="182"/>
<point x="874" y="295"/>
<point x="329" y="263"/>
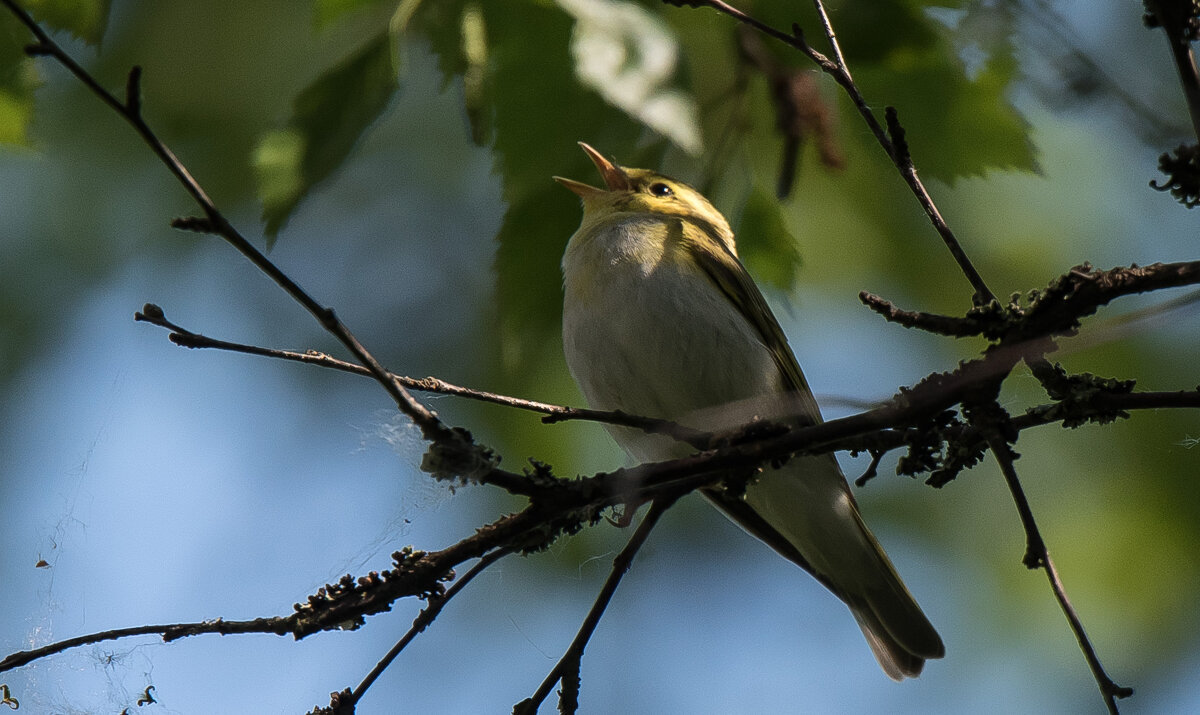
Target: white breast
<point x="658" y="338"/>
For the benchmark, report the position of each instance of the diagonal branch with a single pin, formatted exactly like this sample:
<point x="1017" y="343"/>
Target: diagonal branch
<point x="214" y="222"/>
<point x="837" y="69"/>
<point x="567" y="668"/>
<point x="1177" y="19"/>
<point x="564" y="508"/>
<point x="183" y="337"/>
<point x="1038" y="556"/>
<point x="422" y="621"/>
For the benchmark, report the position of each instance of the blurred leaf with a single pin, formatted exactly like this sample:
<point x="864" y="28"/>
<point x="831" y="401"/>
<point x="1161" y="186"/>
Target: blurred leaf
<point x="877" y="32"/>
<point x="328" y="118"/>
<point x="440" y="23"/>
<point x="959" y="120"/>
<point x="327" y="12"/>
<point x="85" y="19"/>
<point x="474" y="80"/>
<point x="539" y="111"/>
<point x="765" y="243"/>
<point x="628" y="56"/>
<point x="955" y="126"/>
<point x="529" y="279"/>
<point x="18" y="79"/>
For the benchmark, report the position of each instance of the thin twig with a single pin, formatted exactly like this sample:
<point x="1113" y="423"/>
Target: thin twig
<point x="870" y="430"/>
<point x="1038" y="556"/>
<point x="837" y="69"/>
<point x="1173" y="16"/>
<point x="897" y="150"/>
<point x="183" y="337"/>
<point x="567" y="668"/>
<point x="948" y="325"/>
<point x="422" y="621"/>
<point x="838" y="58"/>
<point x="862" y="432"/>
<point x="1078" y="293"/>
<point x="215" y="222"/>
<point x="1056" y="309"/>
<point x="169" y="632"/>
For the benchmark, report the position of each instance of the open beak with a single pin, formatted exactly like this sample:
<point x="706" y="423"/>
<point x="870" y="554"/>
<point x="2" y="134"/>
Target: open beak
<point x="614" y="176"/>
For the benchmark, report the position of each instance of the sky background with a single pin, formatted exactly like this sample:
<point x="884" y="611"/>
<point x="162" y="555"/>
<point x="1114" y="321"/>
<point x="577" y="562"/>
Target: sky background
<point x="165" y="485"/>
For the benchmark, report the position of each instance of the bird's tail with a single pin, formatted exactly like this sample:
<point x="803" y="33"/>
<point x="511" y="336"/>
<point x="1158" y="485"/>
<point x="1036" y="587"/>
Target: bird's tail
<point x="805" y="511"/>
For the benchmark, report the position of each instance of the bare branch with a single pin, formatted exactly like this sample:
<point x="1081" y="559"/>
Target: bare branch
<point x="1038" y="556"/>
<point x="169" y="632"/>
<point x="840" y="73"/>
<point x="216" y="223"/>
<point x="422" y="621"/>
<point x="567" y="668"/>
<point x="183" y="337"/>
<point x="1177" y="18"/>
<point x="929" y="322"/>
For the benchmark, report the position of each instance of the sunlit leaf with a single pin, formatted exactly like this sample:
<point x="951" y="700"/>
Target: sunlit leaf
<point x="329" y="117"/>
<point x="629" y="57"/>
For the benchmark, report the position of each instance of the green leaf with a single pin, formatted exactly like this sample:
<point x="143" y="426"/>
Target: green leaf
<point x="536" y="110"/>
<point x="85" y="19"/>
<point x="440" y="24"/>
<point x="327" y="12"/>
<point x="18" y="79"/>
<point x="959" y="120"/>
<point x="629" y="57"/>
<point x="328" y="118"/>
<point x="765" y="243"/>
<point x="956" y="126"/>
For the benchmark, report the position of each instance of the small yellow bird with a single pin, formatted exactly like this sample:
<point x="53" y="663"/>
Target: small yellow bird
<point x="661" y="319"/>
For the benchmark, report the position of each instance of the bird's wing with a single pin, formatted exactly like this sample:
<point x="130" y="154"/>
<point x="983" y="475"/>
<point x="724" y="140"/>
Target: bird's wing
<point x="730" y="277"/>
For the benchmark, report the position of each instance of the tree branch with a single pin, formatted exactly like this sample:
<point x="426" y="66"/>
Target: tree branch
<point x="183" y="337"/>
<point x="567" y="668"/>
<point x="215" y="222"/>
<point x="1038" y="556"/>
<point x="423" y="620"/>
<point x="917" y="417"/>
<point x="1178" y="21"/>
<point x="840" y="73"/>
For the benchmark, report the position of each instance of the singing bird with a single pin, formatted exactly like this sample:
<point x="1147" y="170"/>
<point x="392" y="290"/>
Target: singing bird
<point x="661" y="319"/>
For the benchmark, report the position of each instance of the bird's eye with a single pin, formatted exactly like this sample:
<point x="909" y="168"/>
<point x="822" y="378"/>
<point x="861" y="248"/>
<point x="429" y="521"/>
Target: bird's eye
<point x="660" y="189"/>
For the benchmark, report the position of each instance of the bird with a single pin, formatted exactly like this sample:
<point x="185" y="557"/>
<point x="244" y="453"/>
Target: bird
<point x="661" y="319"/>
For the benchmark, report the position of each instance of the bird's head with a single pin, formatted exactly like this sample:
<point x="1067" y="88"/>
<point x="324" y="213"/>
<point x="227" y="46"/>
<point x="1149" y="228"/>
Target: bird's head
<point x="644" y="191"/>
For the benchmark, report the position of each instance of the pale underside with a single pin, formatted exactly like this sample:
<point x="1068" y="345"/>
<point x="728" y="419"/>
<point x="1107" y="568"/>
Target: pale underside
<point x="630" y="347"/>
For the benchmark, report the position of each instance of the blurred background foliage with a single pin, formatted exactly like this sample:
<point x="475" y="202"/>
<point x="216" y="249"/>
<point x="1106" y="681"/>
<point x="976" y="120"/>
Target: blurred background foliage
<point x="397" y="158"/>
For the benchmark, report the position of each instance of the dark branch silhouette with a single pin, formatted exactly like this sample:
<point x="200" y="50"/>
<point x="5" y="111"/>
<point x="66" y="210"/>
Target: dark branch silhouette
<point x="1038" y="556"/>
<point x="837" y="69"/>
<point x="945" y="423"/>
